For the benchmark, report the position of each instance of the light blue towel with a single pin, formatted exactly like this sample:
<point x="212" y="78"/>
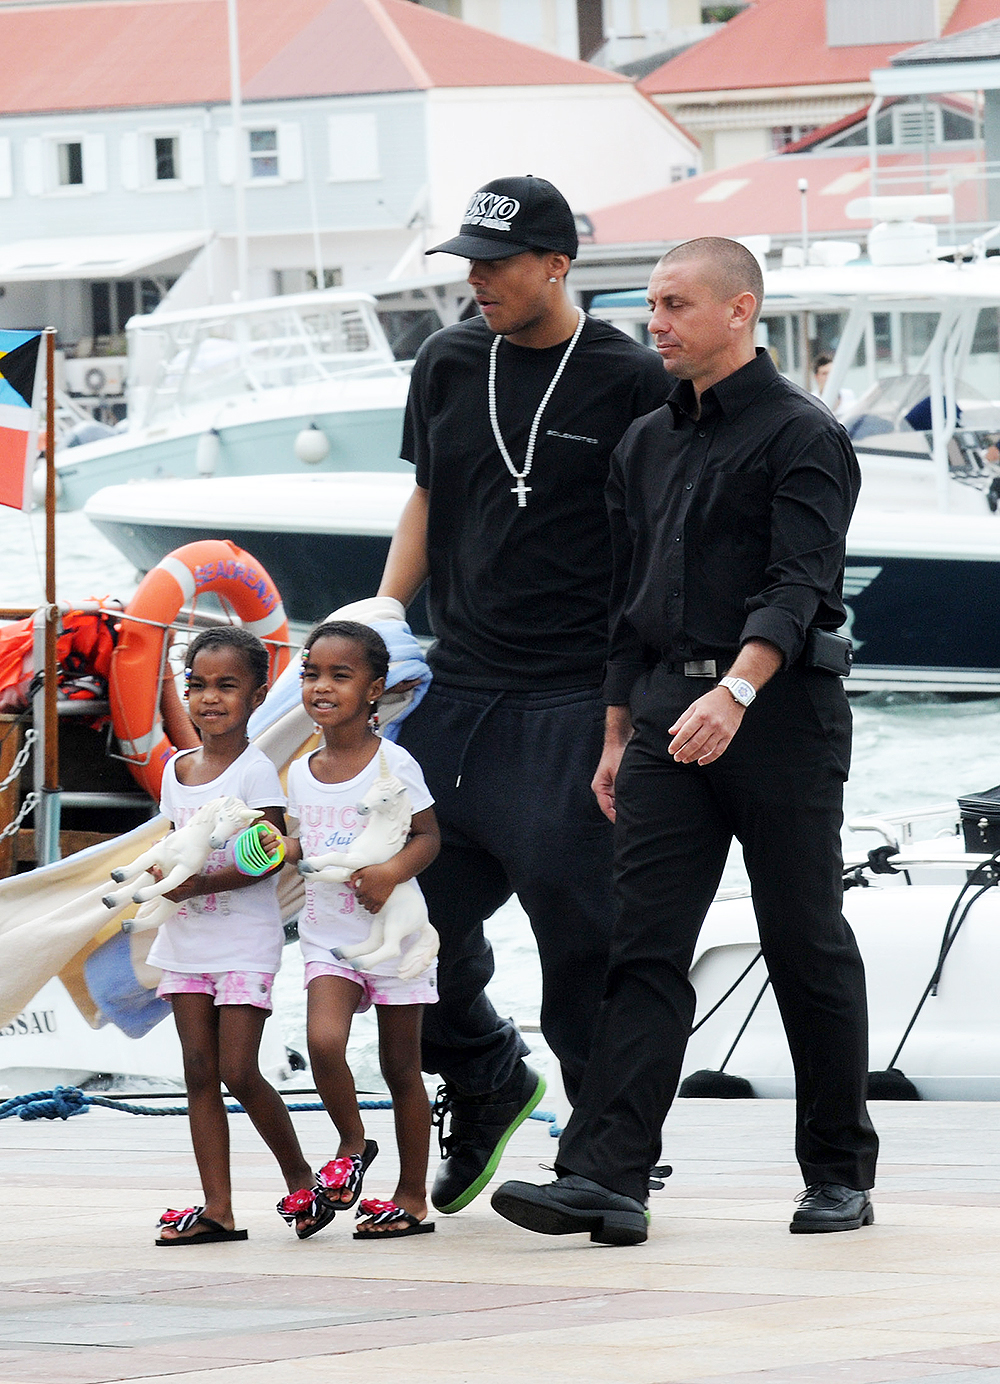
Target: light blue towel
<point x="406" y="661"/>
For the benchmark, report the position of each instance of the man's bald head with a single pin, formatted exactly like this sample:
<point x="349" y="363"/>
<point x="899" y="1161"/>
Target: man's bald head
<point x="726" y="267"/>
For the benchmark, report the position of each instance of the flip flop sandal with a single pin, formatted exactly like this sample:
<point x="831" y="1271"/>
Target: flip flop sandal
<point x="301" y="1204"/>
<point x="387" y="1213"/>
<point x="214" y="1233"/>
<point x="345" y="1174"/>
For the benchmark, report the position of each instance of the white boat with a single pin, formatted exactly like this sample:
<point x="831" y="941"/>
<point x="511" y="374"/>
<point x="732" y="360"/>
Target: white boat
<point x="923" y="570"/>
<point x="50" y="1043"/>
<point x="918" y="347"/>
<point x="323" y="537"/>
<point x="289" y="384"/>
<point x="952" y="1051"/>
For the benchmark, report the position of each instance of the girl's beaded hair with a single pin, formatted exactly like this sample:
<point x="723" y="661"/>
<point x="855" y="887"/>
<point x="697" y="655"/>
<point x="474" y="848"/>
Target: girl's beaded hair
<point x="376" y="654"/>
<point x="230" y="637"/>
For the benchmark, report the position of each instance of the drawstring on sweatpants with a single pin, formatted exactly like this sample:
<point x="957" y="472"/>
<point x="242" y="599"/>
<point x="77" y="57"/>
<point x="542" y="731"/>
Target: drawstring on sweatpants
<point x="472" y="733"/>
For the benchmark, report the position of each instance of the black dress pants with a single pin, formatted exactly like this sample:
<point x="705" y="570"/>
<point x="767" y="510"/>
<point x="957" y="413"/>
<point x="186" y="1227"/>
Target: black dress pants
<point x="510" y="773"/>
<point x="778" y="788"/>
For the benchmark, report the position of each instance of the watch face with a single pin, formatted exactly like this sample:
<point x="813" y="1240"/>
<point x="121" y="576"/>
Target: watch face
<point x="742" y="690"/>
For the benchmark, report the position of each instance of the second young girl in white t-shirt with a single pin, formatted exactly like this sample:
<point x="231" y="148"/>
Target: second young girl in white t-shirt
<point x="343" y="675"/>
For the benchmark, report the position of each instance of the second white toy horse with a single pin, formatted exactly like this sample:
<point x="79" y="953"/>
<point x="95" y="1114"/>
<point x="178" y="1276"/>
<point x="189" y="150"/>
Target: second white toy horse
<point x="178" y="856"/>
<point x="386" y="806"/>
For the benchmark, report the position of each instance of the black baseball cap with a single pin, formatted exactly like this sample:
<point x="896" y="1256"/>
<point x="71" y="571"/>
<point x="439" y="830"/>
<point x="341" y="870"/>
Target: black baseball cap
<point x="511" y="215"/>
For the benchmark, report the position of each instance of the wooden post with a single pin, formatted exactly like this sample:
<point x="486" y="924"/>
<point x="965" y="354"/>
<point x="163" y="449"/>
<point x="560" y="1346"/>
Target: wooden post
<point x="48" y="810"/>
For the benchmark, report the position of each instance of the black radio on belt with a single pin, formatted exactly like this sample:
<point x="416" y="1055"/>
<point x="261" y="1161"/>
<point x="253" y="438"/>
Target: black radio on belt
<point x="834" y="653"/>
<point x="981" y="821"/>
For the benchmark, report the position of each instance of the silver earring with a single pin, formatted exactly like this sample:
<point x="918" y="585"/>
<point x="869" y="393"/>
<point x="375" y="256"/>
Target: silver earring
<point x="553" y="280"/>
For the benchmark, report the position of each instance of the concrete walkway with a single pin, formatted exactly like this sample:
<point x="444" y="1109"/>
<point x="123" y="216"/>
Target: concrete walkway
<point x="720" y="1292"/>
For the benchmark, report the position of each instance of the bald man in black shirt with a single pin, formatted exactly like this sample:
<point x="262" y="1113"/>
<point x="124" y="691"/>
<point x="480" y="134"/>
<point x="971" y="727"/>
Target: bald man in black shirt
<point x="729" y="511"/>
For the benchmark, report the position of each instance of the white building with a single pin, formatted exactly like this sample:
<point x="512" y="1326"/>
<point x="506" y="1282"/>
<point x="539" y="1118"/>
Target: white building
<point x="783" y="68"/>
<point x="365" y="126"/>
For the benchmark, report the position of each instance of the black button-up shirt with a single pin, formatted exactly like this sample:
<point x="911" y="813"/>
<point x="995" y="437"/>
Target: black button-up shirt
<point x="727" y="524"/>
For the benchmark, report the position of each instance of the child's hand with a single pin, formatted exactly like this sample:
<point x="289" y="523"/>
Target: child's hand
<point x="373" y="885"/>
<point x="270" y="837"/>
<point x="186" y="890"/>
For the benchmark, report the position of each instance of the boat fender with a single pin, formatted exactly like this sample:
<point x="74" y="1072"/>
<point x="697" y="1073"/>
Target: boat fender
<point x="211" y="564"/>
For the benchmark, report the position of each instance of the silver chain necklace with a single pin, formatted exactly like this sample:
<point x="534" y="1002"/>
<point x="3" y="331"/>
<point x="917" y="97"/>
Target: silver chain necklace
<point x="521" y="490"/>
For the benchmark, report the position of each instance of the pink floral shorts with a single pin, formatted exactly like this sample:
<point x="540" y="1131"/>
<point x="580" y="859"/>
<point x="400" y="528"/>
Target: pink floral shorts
<point x="422" y="989"/>
<point x="228" y="987"/>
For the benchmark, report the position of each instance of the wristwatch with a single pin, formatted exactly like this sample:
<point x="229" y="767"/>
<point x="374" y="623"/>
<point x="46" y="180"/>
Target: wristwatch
<point x="742" y="690"/>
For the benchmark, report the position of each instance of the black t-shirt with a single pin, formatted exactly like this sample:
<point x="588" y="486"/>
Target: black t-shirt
<point x="518" y="597"/>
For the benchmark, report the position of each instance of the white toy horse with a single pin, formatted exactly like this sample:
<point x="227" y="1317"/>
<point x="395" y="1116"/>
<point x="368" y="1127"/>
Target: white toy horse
<point x="387" y="808"/>
<point x="178" y="856"/>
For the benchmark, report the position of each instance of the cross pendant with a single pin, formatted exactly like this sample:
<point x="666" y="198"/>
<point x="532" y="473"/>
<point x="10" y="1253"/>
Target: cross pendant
<point x="522" y="492"/>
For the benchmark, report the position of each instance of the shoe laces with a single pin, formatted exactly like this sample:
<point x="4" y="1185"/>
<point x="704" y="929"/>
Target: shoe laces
<point x="657" y="1173"/>
<point x="440" y="1111"/>
<point x="810" y="1191"/>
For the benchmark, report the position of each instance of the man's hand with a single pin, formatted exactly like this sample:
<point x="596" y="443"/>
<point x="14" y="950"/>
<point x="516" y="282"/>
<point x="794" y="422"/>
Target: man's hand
<point x="603" y="782"/>
<point x="617" y="733"/>
<point x="704" y="731"/>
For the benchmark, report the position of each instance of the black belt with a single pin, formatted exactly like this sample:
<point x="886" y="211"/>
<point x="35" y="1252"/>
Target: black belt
<point x="700" y="667"/>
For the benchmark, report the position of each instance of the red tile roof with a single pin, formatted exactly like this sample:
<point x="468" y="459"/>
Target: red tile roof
<point x="970" y="12"/>
<point x="779" y="43"/>
<point x="762" y="198"/>
<point x="107" y="54"/>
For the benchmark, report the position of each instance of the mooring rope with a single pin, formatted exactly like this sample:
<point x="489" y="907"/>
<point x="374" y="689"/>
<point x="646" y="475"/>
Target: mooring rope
<point x="64" y="1101"/>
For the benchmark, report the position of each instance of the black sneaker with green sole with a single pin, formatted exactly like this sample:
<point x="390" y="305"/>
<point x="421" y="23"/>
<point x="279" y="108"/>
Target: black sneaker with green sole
<point x="480" y="1129"/>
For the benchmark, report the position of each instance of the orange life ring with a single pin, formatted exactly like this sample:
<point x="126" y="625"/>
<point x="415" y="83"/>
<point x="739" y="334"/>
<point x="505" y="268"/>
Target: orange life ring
<point x="210" y="565"/>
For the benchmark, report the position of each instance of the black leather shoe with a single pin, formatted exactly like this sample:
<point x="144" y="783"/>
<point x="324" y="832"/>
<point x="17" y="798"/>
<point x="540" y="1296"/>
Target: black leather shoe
<point x="827" y="1206"/>
<point x="571" y="1206"/>
<point x="480" y="1129"/>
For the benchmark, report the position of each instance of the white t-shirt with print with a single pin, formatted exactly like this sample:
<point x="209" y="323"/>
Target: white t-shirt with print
<point x="236" y="929"/>
<point x="327" y="820"/>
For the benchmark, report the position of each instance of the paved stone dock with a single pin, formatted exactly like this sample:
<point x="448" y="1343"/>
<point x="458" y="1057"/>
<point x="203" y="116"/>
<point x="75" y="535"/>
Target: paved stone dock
<point x="720" y="1292"/>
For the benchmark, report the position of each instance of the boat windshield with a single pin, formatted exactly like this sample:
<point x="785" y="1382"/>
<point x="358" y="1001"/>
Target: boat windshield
<point x="177" y="361"/>
<point x="900" y="403"/>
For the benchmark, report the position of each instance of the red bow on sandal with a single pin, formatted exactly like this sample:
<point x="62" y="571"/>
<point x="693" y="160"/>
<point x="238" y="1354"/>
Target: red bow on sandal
<point x="395" y="1222"/>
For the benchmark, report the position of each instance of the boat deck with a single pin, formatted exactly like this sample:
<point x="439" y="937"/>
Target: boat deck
<point x="720" y="1292"/>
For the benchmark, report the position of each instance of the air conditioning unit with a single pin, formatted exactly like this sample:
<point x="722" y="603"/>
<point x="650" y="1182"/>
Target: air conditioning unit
<point x="96" y="376"/>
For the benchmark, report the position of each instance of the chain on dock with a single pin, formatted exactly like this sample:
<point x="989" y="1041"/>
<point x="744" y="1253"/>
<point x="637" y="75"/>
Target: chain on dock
<point x="32" y="799"/>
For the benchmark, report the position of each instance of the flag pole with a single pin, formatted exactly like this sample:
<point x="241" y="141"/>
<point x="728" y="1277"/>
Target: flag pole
<point x="47" y="849"/>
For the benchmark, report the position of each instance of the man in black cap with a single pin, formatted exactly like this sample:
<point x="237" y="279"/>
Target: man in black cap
<point x="510" y="423"/>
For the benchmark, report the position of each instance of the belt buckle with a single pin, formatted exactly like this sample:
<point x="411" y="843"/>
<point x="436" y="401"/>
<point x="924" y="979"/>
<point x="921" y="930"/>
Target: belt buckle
<point x="700" y="668"/>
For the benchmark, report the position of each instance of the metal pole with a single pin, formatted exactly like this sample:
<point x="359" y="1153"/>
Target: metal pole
<point x="804" y="195"/>
<point x="872" y="122"/>
<point x="47" y="837"/>
<point x="239" y="191"/>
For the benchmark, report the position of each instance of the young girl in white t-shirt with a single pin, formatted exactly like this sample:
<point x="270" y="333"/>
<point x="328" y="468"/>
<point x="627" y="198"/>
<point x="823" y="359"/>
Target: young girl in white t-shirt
<point x="343" y="675"/>
<point x="221" y="949"/>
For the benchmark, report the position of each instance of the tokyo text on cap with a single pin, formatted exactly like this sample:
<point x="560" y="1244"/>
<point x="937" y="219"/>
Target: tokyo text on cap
<point x="511" y="215"/>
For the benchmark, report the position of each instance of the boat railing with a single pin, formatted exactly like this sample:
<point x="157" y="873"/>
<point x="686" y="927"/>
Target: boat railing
<point x="896" y="828"/>
<point x="21" y="742"/>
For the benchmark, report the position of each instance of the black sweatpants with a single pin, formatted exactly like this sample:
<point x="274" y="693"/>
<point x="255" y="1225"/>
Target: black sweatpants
<point x="778" y="788"/>
<point x="522" y="820"/>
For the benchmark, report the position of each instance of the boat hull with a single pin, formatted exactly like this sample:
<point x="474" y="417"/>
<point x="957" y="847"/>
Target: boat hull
<point x="323" y="539"/>
<point x="50" y="1043"/>
<point x="361" y="439"/>
<point x="919" y="587"/>
<point x="953" y="1052"/>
